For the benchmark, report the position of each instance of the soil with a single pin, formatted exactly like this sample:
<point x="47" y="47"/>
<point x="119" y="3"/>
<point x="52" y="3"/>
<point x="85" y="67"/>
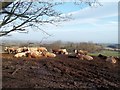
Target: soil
<point x="59" y="72"/>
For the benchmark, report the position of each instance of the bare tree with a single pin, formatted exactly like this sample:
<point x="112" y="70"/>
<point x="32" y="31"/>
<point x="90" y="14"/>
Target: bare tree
<point x="20" y="15"/>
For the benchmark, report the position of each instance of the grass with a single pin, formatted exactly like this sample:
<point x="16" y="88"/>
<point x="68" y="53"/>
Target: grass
<point x="106" y="53"/>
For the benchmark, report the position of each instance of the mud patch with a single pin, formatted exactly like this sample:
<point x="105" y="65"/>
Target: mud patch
<point x="59" y="72"/>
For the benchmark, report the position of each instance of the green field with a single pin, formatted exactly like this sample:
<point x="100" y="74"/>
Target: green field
<point x="106" y="53"/>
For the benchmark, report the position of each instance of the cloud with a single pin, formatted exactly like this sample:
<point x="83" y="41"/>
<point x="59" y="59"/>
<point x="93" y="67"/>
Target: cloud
<point x="94" y="15"/>
<point x="89" y="24"/>
<point x="99" y="24"/>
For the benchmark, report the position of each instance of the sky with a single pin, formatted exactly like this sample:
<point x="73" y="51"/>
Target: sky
<point x="94" y="24"/>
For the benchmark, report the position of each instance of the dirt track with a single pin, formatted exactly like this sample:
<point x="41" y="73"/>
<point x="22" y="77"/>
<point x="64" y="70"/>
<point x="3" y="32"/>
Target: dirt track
<point x="59" y="72"/>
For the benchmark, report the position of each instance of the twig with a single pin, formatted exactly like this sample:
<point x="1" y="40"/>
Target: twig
<point x="16" y="70"/>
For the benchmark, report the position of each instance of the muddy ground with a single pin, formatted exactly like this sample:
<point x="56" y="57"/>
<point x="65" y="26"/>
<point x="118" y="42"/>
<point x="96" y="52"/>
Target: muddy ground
<point x="59" y="72"/>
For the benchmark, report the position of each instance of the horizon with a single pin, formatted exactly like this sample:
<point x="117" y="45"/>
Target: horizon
<point x="48" y="42"/>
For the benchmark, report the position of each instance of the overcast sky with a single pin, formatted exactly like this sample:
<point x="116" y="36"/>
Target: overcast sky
<point x="98" y="24"/>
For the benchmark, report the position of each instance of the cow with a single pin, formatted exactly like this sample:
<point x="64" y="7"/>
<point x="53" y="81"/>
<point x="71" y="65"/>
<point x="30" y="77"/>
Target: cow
<point x="7" y="50"/>
<point x="34" y="54"/>
<point x="49" y="54"/>
<point x="66" y="53"/>
<point x="79" y="56"/>
<point x="25" y="49"/>
<point x="84" y="57"/>
<point x="87" y="57"/>
<point x="21" y="54"/>
<point x="41" y="49"/>
<point x="10" y="49"/>
<point x="63" y="51"/>
<point x="111" y="60"/>
<point x="18" y="50"/>
<point x="60" y="51"/>
<point x="21" y="49"/>
<point x="32" y="49"/>
<point x="81" y="52"/>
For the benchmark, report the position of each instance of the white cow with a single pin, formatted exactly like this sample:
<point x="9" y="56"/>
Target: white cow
<point x="32" y="49"/>
<point x="60" y="51"/>
<point x="81" y="52"/>
<point x="10" y="49"/>
<point x="21" y="54"/>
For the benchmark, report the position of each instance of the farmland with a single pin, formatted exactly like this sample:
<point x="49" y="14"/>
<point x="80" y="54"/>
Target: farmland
<point x="61" y="71"/>
<point x="106" y="52"/>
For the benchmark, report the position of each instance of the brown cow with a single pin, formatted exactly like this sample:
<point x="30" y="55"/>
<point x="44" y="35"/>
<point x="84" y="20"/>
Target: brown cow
<point x="49" y="54"/>
<point x="84" y="57"/>
<point x="87" y="57"/>
<point x="34" y="54"/>
<point x="111" y="60"/>
<point x="41" y="49"/>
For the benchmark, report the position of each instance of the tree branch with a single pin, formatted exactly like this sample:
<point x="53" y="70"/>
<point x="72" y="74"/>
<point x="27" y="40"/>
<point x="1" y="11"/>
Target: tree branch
<point x="9" y="15"/>
<point x="4" y="4"/>
<point x="12" y="13"/>
<point x="32" y="13"/>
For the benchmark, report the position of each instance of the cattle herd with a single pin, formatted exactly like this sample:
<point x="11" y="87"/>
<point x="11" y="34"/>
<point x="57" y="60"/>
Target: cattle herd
<point x="37" y="52"/>
<point x="34" y="52"/>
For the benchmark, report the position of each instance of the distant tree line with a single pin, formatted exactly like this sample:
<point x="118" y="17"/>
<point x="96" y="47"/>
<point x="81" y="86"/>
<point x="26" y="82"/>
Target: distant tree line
<point x="70" y="46"/>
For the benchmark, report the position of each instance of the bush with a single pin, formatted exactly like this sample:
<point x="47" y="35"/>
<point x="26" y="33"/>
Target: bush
<point x="90" y="47"/>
